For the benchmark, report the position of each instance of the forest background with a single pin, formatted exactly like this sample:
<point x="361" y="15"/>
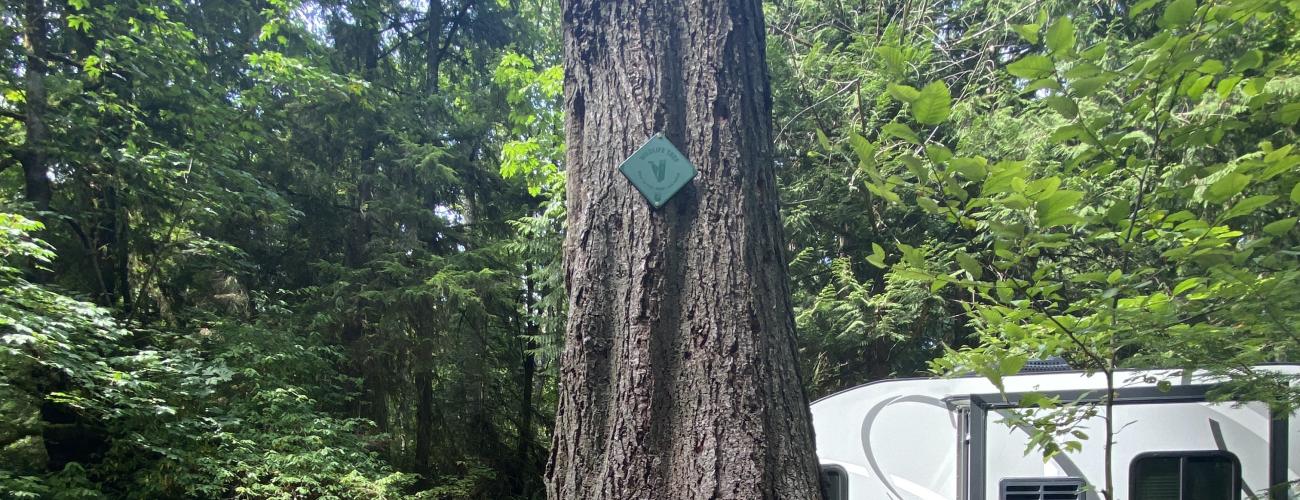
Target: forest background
<point x="291" y="249"/>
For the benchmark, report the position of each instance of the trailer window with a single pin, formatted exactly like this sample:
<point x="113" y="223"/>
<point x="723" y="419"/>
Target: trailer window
<point x="1205" y="475"/>
<point x="835" y="483"/>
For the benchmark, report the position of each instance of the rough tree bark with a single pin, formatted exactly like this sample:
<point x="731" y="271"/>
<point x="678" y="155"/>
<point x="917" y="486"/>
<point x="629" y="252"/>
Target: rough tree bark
<point x="678" y="377"/>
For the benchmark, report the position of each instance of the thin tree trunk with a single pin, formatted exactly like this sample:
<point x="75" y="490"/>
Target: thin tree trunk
<point x="115" y="257"/>
<point x="424" y="425"/>
<point x="433" y="28"/>
<point x="526" y="434"/>
<point x="678" y="377"/>
<point x="36" y="170"/>
<point x="122" y="255"/>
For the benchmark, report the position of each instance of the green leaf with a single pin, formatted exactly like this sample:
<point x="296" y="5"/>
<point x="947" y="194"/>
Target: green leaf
<point x="1178" y="13"/>
<point x="1005" y="293"/>
<point x="1295" y="193"/>
<point x="1028" y="31"/>
<point x="970" y="265"/>
<point x="1288" y="114"/>
<point x="1012" y="365"/>
<point x="1211" y="67"/>
<point x="1186" y="285"/>
<point x="893" y="59"/>
<point x="1248" y="205"/>
<point x="1095" y="52"/>
<point x="914" y="165"/>
<point x="933" y="104"/>
<point x="903" y="93"/>
<point x="1034" y="399"/>
<point x="912" y="255"/>
<point x="1280" y="227"/>
<point x="1141" y="7"/>
<point x="883" y="190"/>
<point x="79" y="22"/>
<point x="1136" y="137"/>
<point x="823" y="141"/>
<point x="1083" y="70"/>
<point x="900" y="131"/>
<point x="1198" y="87"/>
<point x="1063" y="105"/>
<point x="1119" y="211"/>
<point x="1032" y="67"/>
<point x="877" y="257"/>
<point x="865" y="150"/>
<point x="938" y="153"/>
<point x="1227" y="187"/>
<point x="970" y="168"/>
<point x="1084" y="87"/>
<point x="1041" y="83"/>
<point x="1056" y="210"/>
<point x="1249" y="60"/>
<point x="1060" y="37"/>
<point x="1065" y="133"/>
<point x="91" y="66"/>
<point x="1226" y="85"/>
<point x="1254" y="86"/>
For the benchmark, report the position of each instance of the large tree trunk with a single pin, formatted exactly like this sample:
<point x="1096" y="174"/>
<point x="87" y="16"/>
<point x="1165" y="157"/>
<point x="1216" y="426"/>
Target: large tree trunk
<point x="678" y="376"/>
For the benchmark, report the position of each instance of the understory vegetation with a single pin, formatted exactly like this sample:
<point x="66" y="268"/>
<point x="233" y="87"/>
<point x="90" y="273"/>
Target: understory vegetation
<point x="282" y="249"/>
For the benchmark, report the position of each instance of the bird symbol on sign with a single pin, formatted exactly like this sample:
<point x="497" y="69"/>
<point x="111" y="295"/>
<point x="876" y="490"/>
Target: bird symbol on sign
<point x="660" y="169"/>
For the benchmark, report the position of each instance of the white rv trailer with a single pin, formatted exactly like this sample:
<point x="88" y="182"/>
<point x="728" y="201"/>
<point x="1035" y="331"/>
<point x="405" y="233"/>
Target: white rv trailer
<point x="944" y="439"/>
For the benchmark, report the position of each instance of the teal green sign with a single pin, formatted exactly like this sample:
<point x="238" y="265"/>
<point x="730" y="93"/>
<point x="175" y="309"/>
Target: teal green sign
<point x="658" y="170"/>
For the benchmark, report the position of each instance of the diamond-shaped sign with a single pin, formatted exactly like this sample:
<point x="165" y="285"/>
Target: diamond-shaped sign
<point x="658" y="170"/>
